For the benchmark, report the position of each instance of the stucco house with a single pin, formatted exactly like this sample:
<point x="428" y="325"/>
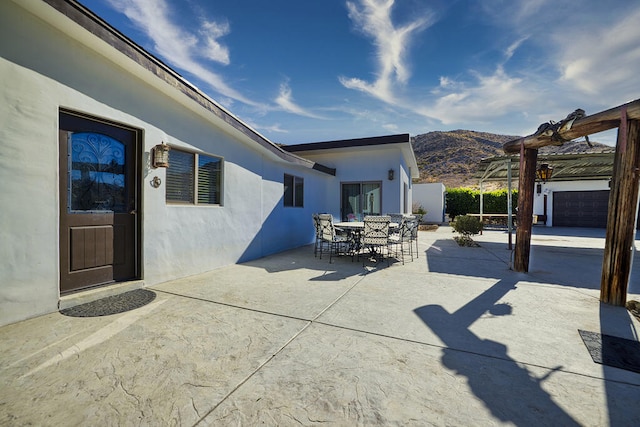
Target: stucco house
<point x="85" y="204"/>
<point x="432" y="197"/>
<point x="373" y="175"/>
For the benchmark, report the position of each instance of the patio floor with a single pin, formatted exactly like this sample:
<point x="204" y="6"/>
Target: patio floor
<point x="452" y="338"/>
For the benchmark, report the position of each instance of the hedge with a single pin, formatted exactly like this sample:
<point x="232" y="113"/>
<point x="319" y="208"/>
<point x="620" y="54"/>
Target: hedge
<point x="461" y="201"/>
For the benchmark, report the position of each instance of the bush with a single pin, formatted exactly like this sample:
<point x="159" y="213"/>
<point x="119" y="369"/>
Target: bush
<point x="417" y="208"/>
<point x="461" y="201"/>
<point x="466" y="226"/>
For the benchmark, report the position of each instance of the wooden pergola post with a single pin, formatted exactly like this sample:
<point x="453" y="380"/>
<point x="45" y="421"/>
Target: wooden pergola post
<point x="526" y="183"/>
<point x="623" y="201"/>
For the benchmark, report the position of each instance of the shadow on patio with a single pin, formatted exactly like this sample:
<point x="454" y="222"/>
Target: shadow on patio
<point x="509" y="388"/>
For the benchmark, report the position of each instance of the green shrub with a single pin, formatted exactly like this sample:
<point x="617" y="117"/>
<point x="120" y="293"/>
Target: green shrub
<point x="461" y="201"/>
<point x="466" y="226"/>
<point x="417" y="208"/>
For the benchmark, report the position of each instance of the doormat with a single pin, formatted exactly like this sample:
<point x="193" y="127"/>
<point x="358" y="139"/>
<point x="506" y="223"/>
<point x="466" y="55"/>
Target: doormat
<point x="612" y="351"/>
<point x="113" y="304"/>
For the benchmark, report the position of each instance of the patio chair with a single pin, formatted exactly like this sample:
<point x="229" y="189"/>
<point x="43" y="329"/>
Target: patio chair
<point x="396" y="217"/>
<point x="336" y="243"/>
<point x="316" y="227"/>
<point x="375" y="236"/>
<point x="414" y="226"/>
<point x="401" y="237"/>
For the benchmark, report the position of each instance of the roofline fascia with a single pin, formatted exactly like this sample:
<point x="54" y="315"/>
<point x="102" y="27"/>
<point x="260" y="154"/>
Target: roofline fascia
<point x="349" y="143"/>
<point x="403" y="140"/>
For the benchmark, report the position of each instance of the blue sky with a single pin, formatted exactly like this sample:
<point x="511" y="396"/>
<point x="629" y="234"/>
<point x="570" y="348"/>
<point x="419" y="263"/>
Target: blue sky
<point x="316" y="70"/>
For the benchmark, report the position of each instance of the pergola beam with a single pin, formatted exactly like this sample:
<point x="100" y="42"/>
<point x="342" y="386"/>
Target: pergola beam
<point x="623" y="199"/>
<point x="588" y="125"/>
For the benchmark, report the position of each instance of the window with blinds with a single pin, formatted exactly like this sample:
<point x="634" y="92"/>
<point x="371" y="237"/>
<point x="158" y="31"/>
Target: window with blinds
<point x="194" y="178"/>
<point x="293" y="191"/>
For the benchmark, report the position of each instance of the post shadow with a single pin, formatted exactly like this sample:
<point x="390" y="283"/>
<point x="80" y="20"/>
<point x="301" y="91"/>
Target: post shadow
<point x="614" y="321"/>
<point x="507" y="388"/>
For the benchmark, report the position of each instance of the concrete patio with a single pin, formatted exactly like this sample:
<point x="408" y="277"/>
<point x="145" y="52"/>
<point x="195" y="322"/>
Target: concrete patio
<point x="452" y="338"/>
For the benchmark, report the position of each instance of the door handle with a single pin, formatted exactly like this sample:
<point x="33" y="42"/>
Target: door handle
<point x="133" y="212"/>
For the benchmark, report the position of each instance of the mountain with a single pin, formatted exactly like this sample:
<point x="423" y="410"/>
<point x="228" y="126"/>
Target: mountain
<point x="452" y="157"/>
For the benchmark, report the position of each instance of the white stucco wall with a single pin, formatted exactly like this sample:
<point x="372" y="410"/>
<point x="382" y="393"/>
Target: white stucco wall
<point x="359" y="164"/>
<point x="431" y="196"/>
<point x="549" y="188"/>
<point x="42" y="70"/>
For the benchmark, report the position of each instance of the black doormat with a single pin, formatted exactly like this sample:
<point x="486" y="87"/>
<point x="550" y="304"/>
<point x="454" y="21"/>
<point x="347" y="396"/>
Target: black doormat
<point x="112" y="305"/>
<point x="612" y="351"/>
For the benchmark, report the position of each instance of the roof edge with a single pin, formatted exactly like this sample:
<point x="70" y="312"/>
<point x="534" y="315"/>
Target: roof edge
<point x="94" y="24"/>
<point x="346" y="143"/>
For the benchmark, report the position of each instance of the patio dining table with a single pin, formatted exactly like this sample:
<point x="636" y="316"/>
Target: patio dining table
<point x="355" y="229"/>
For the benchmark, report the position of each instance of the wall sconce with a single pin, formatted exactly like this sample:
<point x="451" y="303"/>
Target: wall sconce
<point x="391" y="173"/>
<point x="160" y="156"/>
<point x="544" y="172"/>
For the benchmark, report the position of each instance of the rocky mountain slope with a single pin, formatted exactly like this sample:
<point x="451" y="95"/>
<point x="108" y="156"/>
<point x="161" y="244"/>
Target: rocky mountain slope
<point x="452" y="157"/>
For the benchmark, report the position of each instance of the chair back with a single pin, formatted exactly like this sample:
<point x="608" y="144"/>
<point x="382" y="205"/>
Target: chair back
<point x="325" y="223"/>
<point x="376" y="230"/>
<point x="405" y="228"/>
<point x="413" y="227"/>
<point x="396" y="217"/>
<point x="316" y="226"/>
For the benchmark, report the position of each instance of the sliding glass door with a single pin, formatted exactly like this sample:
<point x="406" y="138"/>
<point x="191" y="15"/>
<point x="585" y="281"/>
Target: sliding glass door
<point x="360" y="199"/>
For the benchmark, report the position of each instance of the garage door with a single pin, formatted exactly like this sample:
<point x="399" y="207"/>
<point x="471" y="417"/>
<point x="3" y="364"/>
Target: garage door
<point x="580" y="208"/>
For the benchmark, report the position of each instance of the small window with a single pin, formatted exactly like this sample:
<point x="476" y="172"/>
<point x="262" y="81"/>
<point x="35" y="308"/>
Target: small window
<point x="293" y="191"/>
<point x="194" y="178"/>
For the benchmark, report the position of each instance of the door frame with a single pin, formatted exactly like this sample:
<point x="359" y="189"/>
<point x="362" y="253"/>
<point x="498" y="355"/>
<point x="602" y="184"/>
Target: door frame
<point x="78" y="118"/>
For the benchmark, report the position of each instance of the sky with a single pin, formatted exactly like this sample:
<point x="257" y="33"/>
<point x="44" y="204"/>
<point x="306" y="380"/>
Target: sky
<point x="302" y="71"/>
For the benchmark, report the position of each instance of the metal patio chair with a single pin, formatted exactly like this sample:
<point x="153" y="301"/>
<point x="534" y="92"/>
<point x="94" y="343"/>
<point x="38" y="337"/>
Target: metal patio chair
<point x="375" y="236"/>
<point x="401" y="237"/>
<point x="316" y="227"/>
<point x="414" y="227"/>
<point x="336" y="243"/>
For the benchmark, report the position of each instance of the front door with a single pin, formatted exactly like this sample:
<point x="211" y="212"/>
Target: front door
<point x="99" y="189"/>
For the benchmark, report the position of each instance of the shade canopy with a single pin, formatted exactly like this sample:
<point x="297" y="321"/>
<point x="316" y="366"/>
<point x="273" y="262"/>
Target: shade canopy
<point x="566" y="167"/>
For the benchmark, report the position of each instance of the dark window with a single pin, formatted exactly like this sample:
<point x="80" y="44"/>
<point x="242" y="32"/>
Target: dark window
<point x="293" y="191"/>
<point x="185" y="180"/>
<point x="360" y="199"/>
<point x="209" y="173"/>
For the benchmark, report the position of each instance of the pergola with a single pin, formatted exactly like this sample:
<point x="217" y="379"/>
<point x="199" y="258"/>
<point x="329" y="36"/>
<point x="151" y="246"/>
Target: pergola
<point x="566" y="167"/>
<point x="592" y="165"/>
<point x="623" y="197"/>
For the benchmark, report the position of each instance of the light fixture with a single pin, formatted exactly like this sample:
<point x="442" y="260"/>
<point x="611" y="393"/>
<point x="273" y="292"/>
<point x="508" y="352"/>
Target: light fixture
<point x="391" y="174"/>
<point x="544" y="172"/>
<point x="160" y="156"/>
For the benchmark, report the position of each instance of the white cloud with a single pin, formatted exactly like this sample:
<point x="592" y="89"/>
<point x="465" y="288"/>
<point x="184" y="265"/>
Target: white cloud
<point x="489" y="97"/>
<point x="274" y="128"/>
<point x="373" y="18"/>
<point x="180" y="47"/>
<point x="511" y="50"/>
<point x="478" y="98"/>
<point x="589" y="52"/>
<point x="603" y="61"/>
<point x="576" y="57"/>
<point x="286" y="103"/>
<point x="211" y="32"/>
